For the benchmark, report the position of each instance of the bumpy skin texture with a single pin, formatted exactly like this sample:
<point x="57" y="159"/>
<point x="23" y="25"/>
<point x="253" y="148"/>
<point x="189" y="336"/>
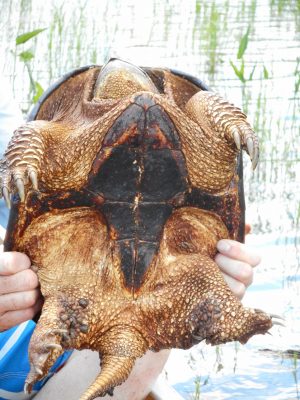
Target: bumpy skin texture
<point x="125" y="182"/>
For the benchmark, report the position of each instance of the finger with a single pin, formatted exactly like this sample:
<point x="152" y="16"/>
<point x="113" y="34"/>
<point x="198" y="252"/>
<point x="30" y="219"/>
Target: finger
<point x="12" y="262"/>
<point x="247" y="229"/>
<point x="237" y="287"/>
<point x="13" y="318"/>
<point x="19" y="300"/>
<point x="19" y="282"/>
<point x="238" y="251"/>
<point x="238" y="270"/>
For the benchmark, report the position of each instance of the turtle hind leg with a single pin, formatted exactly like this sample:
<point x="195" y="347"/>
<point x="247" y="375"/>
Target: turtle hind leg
<point x="187" y="298"/>
<point x="69" y="272"/>
<point x="64" y="324"/>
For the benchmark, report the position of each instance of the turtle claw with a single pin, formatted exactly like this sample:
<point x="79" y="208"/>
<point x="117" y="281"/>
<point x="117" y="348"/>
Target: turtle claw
<point x="27" y="388"/>
<point x="198" y="338"/>
<point x="33" y="178"/>
<point x="6" y="196"/>
<point x="59" y="331"/>
<point x="278" y="323"/>
<point x="38" y="371"/>
<point x="250" y="147"/>
<point x="275" y="321"/>
<point x="237" y="139"/>
<point x="21" y="188"/>
<point x="255" y="158"/>
<point x="276" y="316"/>
<point x="252" y="150"/>
<point x="17" y="181"/>
<point x="32" y="378"/>
<point x="53" y="346"/>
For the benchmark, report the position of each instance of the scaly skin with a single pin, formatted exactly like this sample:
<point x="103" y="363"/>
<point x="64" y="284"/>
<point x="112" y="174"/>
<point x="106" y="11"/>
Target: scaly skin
<point x="182" y="298"/>
<point x="205" y="122"/>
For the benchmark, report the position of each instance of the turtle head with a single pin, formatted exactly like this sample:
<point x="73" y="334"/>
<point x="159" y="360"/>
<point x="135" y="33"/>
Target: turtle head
<point x="118" y="79"/>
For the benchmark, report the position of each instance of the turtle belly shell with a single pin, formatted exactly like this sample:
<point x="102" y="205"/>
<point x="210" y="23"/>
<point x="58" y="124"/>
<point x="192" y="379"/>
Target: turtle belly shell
<point x="139" y="174"/>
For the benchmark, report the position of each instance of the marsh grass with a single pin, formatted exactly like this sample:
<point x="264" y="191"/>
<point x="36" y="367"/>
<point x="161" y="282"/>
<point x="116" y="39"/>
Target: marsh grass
<point x="26" y="56"/>
<point x="295" y="373"/>
<point x="197" y="391"/>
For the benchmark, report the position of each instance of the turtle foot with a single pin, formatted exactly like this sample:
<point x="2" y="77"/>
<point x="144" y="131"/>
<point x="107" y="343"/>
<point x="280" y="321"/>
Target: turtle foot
<point x="21" y="164"/>
<point x="43" y="353"/>
<point x="226" y="119"/>
<point x="240" y="324"/>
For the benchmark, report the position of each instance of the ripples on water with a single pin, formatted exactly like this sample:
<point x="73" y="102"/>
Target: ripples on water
<point x="202" y="38"/>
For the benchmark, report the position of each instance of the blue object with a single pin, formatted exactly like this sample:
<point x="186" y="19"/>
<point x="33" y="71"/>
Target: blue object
<point x="14" y="363"/>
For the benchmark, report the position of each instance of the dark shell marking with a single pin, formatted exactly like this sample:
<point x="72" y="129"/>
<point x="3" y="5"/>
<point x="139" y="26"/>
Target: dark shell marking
<point x="139" y="172"/>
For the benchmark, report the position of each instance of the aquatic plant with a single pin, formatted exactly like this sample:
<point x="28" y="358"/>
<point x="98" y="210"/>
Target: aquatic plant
<point x="240" y="70"/>
<point x="26" y="56"/>
<point x="294" y="372"/>
<point x="197" y="391"/>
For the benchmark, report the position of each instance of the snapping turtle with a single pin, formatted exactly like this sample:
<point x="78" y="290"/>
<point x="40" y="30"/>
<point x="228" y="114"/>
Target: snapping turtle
<point x="123" y="181"/>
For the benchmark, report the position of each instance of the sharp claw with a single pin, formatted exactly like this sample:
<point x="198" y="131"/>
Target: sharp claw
<point x="237" y="139"/>
<point x="250" y="148"/>
<point x="6" y="196"/>
<point x="53" y="346"/>
<point x="21" y="189"/>
<point x="110" y="391"/>
<point x="276" y="316"/>
<point x="255" y="159"/>
<point x="27" y="388"/>
<point x="33" y="179"/>
<point x="60" y="331"/>
<point x="199" y="338"/>
<point x="38" y="371"/>
<point x="278" y="323"/>
<point x="31" y="378"/>
<point x="275" y="322"/>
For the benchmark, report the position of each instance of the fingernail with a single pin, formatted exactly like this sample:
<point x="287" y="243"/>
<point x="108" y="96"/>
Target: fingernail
<point x="223" y="246"/>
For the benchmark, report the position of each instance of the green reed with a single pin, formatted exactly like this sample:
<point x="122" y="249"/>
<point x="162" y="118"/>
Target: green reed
<point x="295" y="373"/>
<point x="26" y="56"/>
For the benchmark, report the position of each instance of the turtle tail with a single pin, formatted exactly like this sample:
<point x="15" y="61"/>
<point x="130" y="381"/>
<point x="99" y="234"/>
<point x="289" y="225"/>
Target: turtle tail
<point x="119" y="351"/>
<point x="114" y="371"/>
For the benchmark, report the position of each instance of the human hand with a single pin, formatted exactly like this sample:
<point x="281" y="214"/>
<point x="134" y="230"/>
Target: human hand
<point x="20" y="297"/>
<point x="236" y="262"/>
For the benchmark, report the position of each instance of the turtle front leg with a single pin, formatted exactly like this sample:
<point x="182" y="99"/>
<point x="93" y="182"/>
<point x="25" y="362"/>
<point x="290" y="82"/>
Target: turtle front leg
<point x="225" y="119"/>
<point x="23" y="159"/>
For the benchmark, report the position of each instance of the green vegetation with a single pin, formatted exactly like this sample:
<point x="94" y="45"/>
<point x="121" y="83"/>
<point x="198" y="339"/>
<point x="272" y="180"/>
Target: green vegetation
<point x="295" y="372"/>
<point x="240" y="71"/>
<point x="197" y="392"/>
<point x="26" y="56"/>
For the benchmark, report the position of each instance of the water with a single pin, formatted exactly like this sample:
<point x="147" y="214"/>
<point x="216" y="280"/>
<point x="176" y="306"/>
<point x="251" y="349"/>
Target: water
<point x="202" y="38"/>
<point x="265" y="367"/>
